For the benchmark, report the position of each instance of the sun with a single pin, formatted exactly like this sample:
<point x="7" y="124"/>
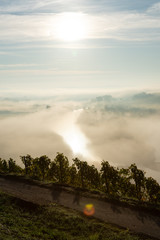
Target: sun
<point x="71" y="26"/>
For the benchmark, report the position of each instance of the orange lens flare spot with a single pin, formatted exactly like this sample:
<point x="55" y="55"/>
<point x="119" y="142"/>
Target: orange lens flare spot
<point x="89" y="210"/>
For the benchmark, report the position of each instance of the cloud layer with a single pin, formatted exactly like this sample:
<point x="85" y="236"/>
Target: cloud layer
<point x="37" y="21"/>
<point x="125" y="130"/>
<point x="121" y="130"/>
<point x="32" y="133"/>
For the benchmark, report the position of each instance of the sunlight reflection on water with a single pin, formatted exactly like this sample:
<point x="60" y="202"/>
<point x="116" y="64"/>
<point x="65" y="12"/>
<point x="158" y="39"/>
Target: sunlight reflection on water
<point x="72" y="134"/>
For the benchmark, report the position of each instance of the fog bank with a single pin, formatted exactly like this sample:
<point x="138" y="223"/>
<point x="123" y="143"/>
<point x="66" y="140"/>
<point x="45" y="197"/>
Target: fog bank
<point x="122" y="130"/>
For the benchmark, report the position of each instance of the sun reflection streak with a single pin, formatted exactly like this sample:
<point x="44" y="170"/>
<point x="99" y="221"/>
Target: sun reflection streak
<point x="72" y="134"/>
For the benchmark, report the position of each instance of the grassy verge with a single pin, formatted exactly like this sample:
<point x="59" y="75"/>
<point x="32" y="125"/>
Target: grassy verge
<point x="23" y="220"/>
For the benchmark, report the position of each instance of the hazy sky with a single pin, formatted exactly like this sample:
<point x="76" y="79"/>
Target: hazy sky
<point x="79" y="44"/>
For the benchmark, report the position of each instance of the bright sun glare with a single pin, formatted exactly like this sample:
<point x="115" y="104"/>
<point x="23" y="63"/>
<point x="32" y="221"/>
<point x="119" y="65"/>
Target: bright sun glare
<point x="76" y="140"/>
<point x="71" y="26"/>
<point x="72" y="134"/>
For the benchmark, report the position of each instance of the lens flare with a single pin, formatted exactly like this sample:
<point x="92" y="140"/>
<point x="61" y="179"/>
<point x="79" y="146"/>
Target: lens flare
<point x="89" y="210"/>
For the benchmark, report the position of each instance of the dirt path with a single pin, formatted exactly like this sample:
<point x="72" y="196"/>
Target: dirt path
<point x="134" y="220"/>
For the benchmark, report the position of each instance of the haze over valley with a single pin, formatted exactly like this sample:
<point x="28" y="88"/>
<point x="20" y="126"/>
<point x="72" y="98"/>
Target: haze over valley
<point x="122" y="128"/>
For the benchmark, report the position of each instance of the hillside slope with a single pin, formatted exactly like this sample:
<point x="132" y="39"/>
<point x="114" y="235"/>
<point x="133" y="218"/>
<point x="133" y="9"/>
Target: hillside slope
<point x="135" y="220"/>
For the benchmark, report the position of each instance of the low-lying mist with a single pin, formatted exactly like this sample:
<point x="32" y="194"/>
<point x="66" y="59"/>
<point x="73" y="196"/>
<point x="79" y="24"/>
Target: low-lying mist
<point x="120" y="130"/>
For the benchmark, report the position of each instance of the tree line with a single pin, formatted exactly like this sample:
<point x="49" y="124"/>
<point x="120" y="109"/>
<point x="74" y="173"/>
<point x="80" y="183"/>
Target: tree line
<point x="117" y="182"/>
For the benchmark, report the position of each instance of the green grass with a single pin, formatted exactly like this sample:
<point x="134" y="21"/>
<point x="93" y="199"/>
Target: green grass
<point x="22" y="220"/>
